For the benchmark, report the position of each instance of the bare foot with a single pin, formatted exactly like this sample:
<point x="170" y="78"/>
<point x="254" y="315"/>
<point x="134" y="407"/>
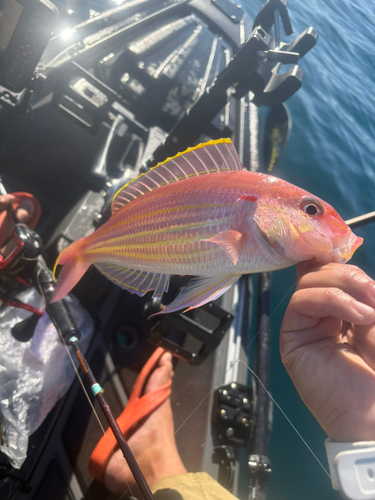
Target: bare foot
<point x="152" y="443"/>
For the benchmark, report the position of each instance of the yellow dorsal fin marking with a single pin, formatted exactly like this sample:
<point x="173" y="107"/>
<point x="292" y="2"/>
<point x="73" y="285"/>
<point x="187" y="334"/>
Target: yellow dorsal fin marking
<point x="234" y="159"/>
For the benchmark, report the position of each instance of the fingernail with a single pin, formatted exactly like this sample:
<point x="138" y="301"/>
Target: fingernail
<point x="372" y="290"/>
<point x="363" y="309"/>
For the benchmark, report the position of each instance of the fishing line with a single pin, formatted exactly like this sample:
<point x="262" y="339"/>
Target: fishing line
<point x="270" y="316"/>
<point x="121" y="465"/>
<point x="125" y="492"/>
<point x="285" y="415"/>
<point x="266" y="391"/>
<point x="274" y="402"/>
<point x="230" y="368"/>
<point x="186" y="419"/>
<point x="81" y="381"/>
<point x="95" y="413"/>
<point x="84" y="389"/>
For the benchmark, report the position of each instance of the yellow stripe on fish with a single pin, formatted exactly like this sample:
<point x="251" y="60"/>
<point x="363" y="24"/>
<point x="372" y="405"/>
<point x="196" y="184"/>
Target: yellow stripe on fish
<point x="155" y="232"/>
<point x="166" y="211"/>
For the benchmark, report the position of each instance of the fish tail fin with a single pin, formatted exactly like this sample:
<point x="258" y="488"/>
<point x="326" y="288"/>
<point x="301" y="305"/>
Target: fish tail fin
<point x="74" y="267"/>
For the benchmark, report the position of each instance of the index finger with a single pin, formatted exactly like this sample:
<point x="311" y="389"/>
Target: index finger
<point x="350" y="279"/>
<point x="307" y="266"/>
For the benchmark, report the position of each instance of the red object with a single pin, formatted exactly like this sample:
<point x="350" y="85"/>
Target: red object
<point x="22" y="305"/>
<point x="137" y="408"/>
<point x="250" y="197"/>
<point x="6" y="226"/>
<point x="19" y="198"/>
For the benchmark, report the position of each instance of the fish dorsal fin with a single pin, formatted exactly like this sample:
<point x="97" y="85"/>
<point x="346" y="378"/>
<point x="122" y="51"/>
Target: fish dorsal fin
<point x="207" y="158"/>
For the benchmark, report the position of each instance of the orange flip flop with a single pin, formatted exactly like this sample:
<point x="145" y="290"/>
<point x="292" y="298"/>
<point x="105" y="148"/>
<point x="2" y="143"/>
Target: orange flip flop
<point x="19" y="198"/>
<point x="137" y="408"/>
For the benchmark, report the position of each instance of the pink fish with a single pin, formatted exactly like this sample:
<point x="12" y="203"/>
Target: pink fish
<point x="199" y="213"/>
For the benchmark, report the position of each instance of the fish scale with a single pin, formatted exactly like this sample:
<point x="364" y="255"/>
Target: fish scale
<point x="150" y="238"/>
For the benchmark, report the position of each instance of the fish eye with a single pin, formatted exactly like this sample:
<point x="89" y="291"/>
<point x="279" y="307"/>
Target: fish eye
<point x="312" y="207"/>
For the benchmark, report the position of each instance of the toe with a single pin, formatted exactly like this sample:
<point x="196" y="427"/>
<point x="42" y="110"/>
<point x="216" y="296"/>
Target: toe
<point x="161" y="374"/>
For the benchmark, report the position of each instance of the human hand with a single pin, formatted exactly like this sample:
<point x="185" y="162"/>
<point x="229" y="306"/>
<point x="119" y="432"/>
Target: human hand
<point x="22" y="213"/>
<point x="327" y="345"/>
<point x="5" y="201"/>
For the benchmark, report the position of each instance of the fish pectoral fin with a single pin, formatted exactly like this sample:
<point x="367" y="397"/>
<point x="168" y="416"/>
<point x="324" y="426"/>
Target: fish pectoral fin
<point x="135" y="280"/>
<point x="199" y="291"/>
<point x="231" y="242"/>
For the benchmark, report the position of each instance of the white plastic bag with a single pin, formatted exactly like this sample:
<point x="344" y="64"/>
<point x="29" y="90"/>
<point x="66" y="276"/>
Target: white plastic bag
<point x="34" y="375"/>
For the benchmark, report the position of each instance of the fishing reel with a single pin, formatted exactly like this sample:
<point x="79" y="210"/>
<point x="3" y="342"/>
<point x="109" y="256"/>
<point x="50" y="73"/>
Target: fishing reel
<point x="16" y="269"/>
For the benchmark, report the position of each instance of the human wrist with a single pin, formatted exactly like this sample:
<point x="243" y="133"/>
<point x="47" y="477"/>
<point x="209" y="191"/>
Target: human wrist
<point x="353" y="422"/>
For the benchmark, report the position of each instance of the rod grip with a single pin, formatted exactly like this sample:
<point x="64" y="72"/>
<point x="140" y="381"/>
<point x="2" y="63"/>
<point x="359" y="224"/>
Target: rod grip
<point x="58" y="311"/>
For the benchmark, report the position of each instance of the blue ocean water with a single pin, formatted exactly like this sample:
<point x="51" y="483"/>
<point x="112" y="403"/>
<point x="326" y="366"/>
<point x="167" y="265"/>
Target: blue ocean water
<point x="331" y="153"/>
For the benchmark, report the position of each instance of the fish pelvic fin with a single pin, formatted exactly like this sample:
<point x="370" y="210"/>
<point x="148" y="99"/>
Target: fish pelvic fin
<point x="74" y="267"/>
<point x="199" y="291"/>
<point x="135" y="280"/>
<point x="210" y="157"/>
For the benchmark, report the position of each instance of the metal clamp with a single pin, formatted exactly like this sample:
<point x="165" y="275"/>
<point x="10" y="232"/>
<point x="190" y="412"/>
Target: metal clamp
<point x="260" y="467"/>
<point x="233" y="411"/>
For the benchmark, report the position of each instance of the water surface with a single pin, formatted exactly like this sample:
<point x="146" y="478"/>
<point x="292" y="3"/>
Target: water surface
<point x="331" y="153"/>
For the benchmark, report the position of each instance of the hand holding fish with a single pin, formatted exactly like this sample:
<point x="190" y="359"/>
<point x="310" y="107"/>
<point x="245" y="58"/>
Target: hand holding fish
<point x="327" y="345"/>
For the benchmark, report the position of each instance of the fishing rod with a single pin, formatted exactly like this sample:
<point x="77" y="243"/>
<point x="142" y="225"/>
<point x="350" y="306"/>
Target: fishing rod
<point x="70" y="335"/>
<point x="361" y="220"/>
<point x="276" y="135"/>
<point x="258" y="426"/>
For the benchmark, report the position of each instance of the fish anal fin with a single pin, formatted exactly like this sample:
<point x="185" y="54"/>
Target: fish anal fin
<point x="231" y="242"/>
<point x="199" y="291"/>
<point x="135" y="280"/>
<point x="210" y="157"/>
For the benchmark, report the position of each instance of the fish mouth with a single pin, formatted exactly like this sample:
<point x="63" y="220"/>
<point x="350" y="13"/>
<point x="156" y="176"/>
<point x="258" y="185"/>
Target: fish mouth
<point x="342" y="253"/>
<point x="352" y="247"/>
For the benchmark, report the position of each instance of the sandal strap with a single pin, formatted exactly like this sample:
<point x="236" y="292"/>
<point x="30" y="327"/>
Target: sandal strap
<point x="137" y="408"/>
